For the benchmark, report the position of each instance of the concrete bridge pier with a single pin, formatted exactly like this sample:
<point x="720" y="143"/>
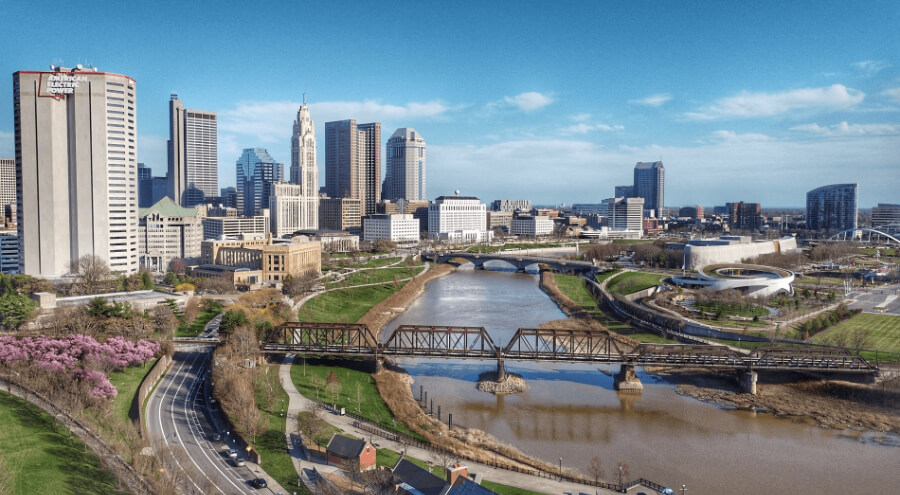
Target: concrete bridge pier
<point x="379" y="365"/>
<point x="501" y="371"/>
<point x="626" y="381"/>
<point x="747" y="380"/>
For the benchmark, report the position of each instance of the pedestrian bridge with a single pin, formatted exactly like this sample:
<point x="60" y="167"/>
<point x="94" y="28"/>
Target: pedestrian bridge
<point x="547" y="344"/>
<point x="519" y="261"/>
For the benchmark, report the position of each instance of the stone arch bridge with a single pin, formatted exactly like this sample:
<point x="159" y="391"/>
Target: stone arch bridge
<point x="519" y="261"/>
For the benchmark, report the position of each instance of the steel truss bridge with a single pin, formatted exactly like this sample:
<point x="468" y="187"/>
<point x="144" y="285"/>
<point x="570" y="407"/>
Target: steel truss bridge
<point x="546" y="344"/>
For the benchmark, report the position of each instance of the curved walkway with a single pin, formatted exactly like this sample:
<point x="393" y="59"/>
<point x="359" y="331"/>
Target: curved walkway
<point x="298" y="403"/>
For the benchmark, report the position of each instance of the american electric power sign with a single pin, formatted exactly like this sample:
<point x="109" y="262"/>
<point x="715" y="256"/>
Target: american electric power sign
<point x="58" y="85"/>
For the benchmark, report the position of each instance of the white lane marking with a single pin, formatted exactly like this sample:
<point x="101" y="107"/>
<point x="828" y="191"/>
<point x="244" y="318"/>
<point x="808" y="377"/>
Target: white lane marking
<point x="162" y="430"/>
<point x="192" y="414"/>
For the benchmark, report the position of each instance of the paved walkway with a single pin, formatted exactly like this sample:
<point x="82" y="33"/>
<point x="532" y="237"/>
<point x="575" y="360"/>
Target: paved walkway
<point x="298" y="403"/>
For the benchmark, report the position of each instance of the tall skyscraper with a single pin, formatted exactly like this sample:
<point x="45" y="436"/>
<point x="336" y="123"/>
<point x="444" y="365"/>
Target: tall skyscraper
<point x="832" y="208"/>
<point x="7" y="183"/>
<point x="193" y="154"/>
<point x="76" y="158"/>
<point x="256" y="172"/>
<point x="304" y="170"/>
<point x="353" y="162"/>
<point x="405" y="175"/>
<point x="649" y="183"/>
<point x="145" y="186"/>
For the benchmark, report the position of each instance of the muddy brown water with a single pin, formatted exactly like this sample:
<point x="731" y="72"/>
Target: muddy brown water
<point x="572" y="411"/>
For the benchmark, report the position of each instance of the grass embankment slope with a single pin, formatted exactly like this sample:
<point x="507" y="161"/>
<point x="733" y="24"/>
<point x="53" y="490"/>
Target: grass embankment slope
<point x="883" y="331"/>
<point x="41" y="456"/>
<point x="127" y="383"/>
<point x="631" y="282"/>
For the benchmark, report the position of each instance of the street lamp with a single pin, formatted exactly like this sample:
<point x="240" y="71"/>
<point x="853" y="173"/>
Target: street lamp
<point x="560" y="468"/>
<point x="621" y="469"/>
<point x="683" y="489"/>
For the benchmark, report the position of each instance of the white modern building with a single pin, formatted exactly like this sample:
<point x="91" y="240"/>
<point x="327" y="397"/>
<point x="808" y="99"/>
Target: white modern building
<point x="289" y="209"/>
<point x="405" y="170"/>
<point x="732" y="249"/>
<point x="216" y="228"/>
<point x="399" y="228"/>
<point x="511" y="205"/>
<point x="304" y="171"/>
<point x="458" y="219"/>
<point x="7" y="183"/>
<point x="76" y="156"/>
<point x="167" y="232"/>
<point x="193" y="173"/>
<point x="531" y="226"/>
<point x="625" y="213"/>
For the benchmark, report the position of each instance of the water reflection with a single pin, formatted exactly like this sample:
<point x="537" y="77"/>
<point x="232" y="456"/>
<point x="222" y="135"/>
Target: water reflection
<point x="572" y="411"/>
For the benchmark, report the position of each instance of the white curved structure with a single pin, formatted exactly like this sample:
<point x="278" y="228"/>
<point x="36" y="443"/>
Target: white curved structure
<point x="860" y="235"/>
<point x="752" y="280"/>
<point x="732" y="249"/>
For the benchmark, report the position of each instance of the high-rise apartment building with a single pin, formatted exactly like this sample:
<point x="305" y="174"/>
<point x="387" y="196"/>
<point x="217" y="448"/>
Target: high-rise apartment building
<point x="304" y="170"/>
<point x="405" y="175"/>
<point x="649" y="183"/>
<point x="256" y="172"/>
<point x="7" y="187"/>
<point x="340" y="214"/>
<point x="832" y="208"/>
<point x="228" y="197"/>
<point x="193" y="154"/>
<point x="353" y="162"/>
<point x="76" y="165"/>
<point x="745" y="216"/>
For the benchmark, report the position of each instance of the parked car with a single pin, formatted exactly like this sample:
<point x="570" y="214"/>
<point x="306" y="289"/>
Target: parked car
<point x="260" y="483"/>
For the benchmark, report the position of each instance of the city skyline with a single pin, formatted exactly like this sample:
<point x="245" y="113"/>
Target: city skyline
<point x="553" y="106"/>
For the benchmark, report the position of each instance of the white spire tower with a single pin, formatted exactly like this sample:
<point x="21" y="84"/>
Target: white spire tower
<point x="303" y="165"/>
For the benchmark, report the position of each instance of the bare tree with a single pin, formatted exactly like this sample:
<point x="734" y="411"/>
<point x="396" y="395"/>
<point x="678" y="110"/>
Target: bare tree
<point x="243" y="342"/>
<point x="622" y="468"/>
<point x="595" y="469"/>
<point x="92" y="271"/>
<point x="299" y="285"/>
<point x="311" y="424"/>
<point x="164" y="320"/>
<point x="378" y="482"/>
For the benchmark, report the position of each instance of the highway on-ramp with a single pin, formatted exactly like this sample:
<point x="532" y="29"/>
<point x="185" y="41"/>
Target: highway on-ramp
<point x="178" y="414"/>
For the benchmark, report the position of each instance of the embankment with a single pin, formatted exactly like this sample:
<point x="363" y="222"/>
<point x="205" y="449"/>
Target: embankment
<point x="385" y="311"/>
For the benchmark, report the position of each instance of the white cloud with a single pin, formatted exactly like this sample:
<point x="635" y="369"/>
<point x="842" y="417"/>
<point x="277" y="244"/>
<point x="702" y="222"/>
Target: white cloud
<point x="869" y="68"/>
<point x="732" y="137"/>
<point x="844" y="129"/>
<point x="584" y="128"/>
<point x="893" y="94"/>
<point x="748" y="105"/>
<point x="528" y="101"/>
<point x="773" y="172"/>
<point x="653" y="100"/>
<point x="580" y="117"/>
<point x="7" y="144"/>
<point x="271" y="121"/>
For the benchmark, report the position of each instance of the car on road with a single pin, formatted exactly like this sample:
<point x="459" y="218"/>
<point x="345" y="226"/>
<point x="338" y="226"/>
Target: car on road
<point x="240" y="461"/>
<point x="216" y="437"/>
<point x="232" y="453"/>
<point x="259" y="483"/>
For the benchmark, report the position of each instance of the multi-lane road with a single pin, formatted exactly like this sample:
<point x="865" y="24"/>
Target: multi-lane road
<point x="179" y="415"/>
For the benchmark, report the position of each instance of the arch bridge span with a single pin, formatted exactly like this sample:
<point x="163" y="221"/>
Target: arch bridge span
<point x="519" y="261"/>
<point x="546" y="344"/>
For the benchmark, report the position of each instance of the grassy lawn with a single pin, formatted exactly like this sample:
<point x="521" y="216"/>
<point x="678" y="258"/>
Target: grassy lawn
<point x="383" y="275"/>
<point x="345" y="306"/>
<point x="573" y="287"/>
<point x="631" y="282"/>
<point x="326" y="431"/>
<point x="883" y="331"/>
<point x="41" y="456"/>
<point x="270" y="442"/>
<point x="650" y="338"/>
<point x="605" y="275"/>
<point x="507" y="490"/>
<point x="731" y="308"/>
<point x="127" y="383"/>
<point x="352" y="382"/>
<point x="196" y="326"/>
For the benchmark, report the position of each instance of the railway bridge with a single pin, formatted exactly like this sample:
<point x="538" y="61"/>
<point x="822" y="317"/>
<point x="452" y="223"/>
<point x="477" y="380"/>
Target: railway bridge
<point x="553" y="344"/>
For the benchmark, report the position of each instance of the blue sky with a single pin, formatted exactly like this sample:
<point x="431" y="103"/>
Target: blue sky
<point x="548" y="101"/>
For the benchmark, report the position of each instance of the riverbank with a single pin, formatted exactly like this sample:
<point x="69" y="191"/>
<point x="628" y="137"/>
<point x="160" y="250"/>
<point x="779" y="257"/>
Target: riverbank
<point x="828" y="404"/>
<point x="385" y="311"/>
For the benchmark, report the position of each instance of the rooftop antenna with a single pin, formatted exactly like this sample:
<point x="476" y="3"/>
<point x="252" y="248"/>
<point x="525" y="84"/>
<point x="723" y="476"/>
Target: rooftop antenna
<point x="304" y="98"/>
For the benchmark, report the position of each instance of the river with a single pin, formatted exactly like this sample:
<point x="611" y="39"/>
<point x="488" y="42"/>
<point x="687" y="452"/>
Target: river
<point x="571" y="411"/>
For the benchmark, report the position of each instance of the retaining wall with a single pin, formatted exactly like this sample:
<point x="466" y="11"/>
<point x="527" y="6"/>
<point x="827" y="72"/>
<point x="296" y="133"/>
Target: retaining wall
<point x="137" y="405"/>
